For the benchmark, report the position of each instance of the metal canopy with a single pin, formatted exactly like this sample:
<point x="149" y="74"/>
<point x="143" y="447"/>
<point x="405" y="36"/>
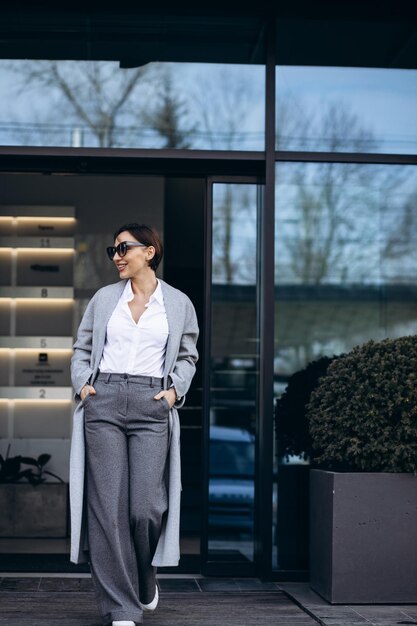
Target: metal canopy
<point x="345" y="33"/>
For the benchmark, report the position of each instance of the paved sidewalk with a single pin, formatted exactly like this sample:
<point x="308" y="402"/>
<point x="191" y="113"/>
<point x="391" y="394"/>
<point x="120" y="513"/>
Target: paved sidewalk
<point x="184" y="601"/>
<point x="349" y="614"/>
<point x="68" y="600"/>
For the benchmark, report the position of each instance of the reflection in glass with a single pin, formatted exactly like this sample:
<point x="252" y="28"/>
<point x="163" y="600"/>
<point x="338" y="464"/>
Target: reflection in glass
<point x="234" y="373"/>
<point x="346" y="272"/>
<point x="346" y="109"/>
<point x="159" y="105"/>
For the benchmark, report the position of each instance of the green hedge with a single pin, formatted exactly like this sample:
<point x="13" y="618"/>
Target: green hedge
<point x="363" y="414"/>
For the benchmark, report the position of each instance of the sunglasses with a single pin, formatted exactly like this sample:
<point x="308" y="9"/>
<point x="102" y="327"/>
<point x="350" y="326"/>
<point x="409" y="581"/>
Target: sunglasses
<point x="122" y="248"/>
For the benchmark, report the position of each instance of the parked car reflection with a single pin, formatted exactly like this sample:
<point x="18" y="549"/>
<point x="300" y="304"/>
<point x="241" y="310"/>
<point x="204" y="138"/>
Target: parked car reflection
<point x="231" y="483"/>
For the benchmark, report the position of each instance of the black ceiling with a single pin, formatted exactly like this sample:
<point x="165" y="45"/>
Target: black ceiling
<point x="346" y="33"/>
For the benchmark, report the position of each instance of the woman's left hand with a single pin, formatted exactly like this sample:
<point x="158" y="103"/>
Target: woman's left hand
<point x="169" y="394"/>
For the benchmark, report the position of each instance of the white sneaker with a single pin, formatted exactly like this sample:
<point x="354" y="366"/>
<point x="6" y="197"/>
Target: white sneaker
<point x="123" y="623"/>
<point x="152" y="605"/>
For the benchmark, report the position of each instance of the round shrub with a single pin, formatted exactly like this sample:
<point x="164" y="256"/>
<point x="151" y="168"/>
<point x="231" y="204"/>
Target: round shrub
<point x="363" y="414"/>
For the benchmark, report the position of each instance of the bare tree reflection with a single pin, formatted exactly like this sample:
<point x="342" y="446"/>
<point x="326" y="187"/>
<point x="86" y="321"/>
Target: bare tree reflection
<point x="234" y="234"/>
<point x="168" y="113"/>
<point x="98" y="97"/>
<point x="329" y="214"/>
<point x="225" y="106"/>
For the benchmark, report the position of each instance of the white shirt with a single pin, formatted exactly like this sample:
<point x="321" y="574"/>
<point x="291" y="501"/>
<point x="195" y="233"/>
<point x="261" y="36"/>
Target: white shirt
<point x="136" y="348"/>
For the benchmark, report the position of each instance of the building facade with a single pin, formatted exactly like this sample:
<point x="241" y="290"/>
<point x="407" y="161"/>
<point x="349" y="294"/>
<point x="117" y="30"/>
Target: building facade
<point x="275" y="150"/>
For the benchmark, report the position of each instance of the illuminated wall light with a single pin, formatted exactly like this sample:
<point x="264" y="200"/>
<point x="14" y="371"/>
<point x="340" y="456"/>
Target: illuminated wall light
<point x="44" y="218"/>
<point x="41" y="300"/>
<point x="36" y="350"/>
<point x="47" y="250"/>
<point x="38" y="400"/>
<point x="33" y="218"/>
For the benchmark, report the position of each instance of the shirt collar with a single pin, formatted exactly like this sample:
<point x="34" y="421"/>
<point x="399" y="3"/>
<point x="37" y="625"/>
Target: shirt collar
<point x="156" y="295"/>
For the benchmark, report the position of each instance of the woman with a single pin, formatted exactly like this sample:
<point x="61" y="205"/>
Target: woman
<point x="133" y="362"/>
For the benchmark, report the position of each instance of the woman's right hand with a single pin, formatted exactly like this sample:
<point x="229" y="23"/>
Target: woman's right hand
<point x="86" y="390"/>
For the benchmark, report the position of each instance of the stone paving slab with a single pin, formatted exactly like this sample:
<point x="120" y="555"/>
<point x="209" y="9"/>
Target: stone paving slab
<point x="47" y="601"/>
<point x="345" y="615"/>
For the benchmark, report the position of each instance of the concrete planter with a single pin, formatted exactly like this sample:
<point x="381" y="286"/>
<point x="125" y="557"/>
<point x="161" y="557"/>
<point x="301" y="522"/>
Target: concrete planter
<point x="363" y="537"/>
<point x="28" y="511"/>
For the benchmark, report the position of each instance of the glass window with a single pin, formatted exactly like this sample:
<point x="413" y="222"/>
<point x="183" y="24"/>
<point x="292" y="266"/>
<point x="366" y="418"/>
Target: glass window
<point x="233" y="372"/>
<point x="346" y="109"/>
<point x="346" y="272"/>
<point x="158" y="105"/>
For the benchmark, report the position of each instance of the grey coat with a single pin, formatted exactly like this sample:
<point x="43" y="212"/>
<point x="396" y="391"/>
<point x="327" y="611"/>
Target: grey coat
<point x="180" y="359"/>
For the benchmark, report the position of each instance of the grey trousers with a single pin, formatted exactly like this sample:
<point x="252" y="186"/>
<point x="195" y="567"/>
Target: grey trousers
<point x="126" y="435"/>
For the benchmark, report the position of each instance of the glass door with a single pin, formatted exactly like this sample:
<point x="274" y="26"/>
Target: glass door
<point x="231" y="376"/>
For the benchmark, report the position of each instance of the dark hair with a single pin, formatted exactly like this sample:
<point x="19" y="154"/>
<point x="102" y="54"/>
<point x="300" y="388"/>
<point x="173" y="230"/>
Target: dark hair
<point x="148" y="236"/>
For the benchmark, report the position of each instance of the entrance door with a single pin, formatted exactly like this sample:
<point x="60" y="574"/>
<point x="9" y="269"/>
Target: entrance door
<point x="231" y="376"/>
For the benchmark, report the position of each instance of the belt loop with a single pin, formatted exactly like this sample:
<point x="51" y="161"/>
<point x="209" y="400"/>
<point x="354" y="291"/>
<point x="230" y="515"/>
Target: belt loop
<point x="108" y="378"/>
<point x="151" y="383"/>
